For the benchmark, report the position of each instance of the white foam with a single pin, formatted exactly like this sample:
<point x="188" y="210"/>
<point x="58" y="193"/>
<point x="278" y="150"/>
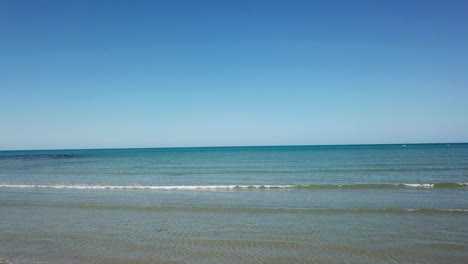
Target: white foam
<point x="214" y="187"/>
<point x="149" y="187"/>
<point x="455" y="210"/>
<point x="419" y="185"/>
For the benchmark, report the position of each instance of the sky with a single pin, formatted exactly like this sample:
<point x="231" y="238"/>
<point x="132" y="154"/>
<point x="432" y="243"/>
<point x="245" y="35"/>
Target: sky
<point x="117" y="74"/>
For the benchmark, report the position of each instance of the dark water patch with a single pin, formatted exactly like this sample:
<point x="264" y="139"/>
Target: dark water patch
<point x="38" y="156"/>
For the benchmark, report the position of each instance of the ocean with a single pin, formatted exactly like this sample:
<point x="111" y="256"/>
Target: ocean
<point x="285" y="204"/>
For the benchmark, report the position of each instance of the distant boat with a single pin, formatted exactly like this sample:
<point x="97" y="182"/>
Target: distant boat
<point x="403" y="145"/>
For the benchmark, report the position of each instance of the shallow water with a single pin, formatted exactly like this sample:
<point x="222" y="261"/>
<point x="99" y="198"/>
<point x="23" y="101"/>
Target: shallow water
<point x="305" y="204"/>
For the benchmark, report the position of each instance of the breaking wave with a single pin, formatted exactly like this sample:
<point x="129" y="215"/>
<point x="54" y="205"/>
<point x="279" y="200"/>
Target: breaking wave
<point x="241" y="187"/>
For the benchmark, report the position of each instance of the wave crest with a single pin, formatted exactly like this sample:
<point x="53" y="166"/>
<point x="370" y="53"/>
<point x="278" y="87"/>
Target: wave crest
<point x="239" y="187"/>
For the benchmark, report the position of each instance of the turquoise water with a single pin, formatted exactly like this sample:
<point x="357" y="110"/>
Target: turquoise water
<point x="299" y="204"/>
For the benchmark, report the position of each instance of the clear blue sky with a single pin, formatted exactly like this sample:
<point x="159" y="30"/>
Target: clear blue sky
<point x="94" y="74"/>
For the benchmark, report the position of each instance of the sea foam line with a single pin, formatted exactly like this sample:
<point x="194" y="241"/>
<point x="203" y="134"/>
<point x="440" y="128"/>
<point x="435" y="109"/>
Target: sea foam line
<point x="232" y="187"/>
<point x="150" y="187"/>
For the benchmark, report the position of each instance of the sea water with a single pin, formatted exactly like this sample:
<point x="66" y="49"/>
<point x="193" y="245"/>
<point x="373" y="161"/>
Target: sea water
<point x="297" y="204"/>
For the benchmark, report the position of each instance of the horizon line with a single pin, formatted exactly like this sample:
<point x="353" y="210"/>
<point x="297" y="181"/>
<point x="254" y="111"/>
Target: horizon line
<point x="241" y="146"/>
